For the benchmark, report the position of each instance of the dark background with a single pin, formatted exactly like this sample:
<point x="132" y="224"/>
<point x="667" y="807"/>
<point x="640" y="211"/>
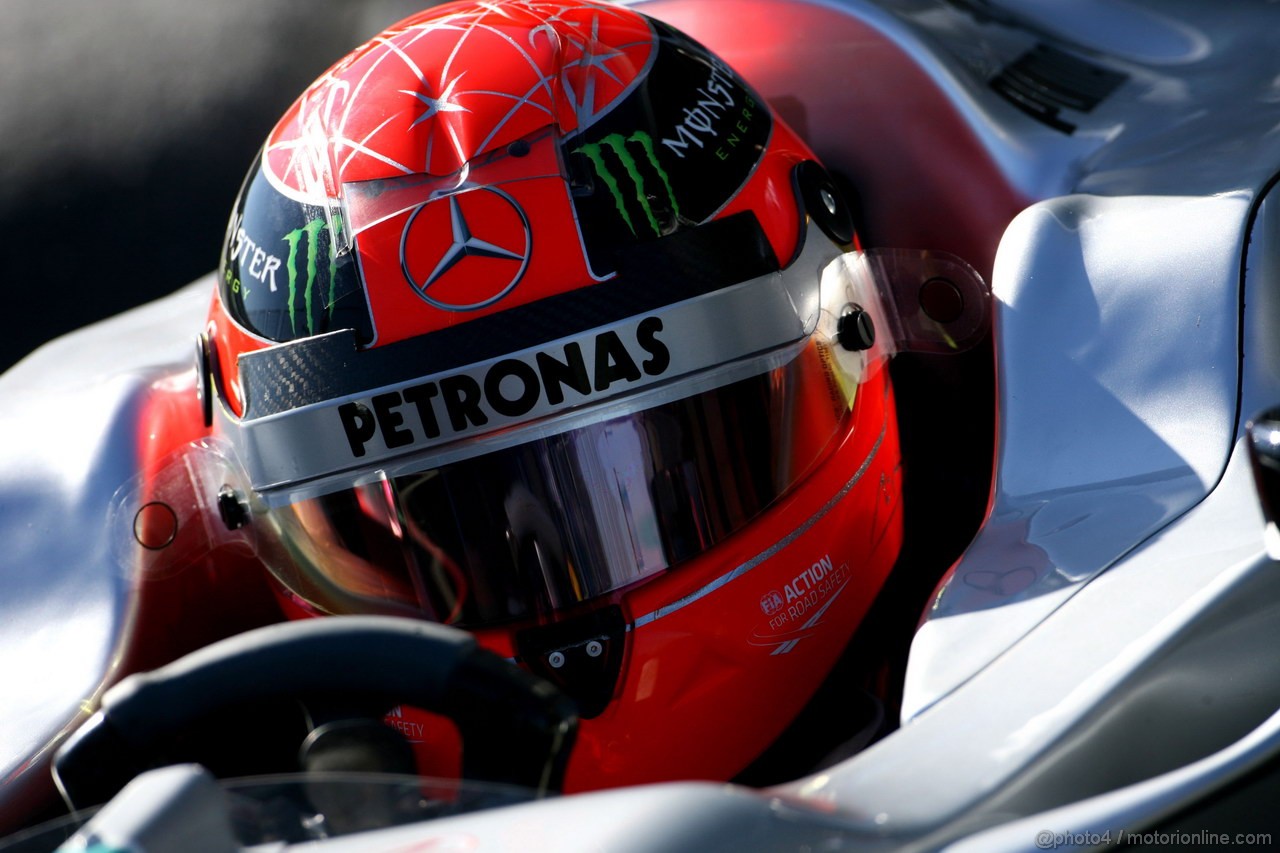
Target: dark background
<point x="125" y="130"/>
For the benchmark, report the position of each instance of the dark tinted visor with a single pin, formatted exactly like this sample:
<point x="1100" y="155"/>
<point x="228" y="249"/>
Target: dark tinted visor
<point x="541" y="526"/>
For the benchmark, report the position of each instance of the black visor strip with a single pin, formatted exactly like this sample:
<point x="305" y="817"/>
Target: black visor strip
<point x="680" y="266"/>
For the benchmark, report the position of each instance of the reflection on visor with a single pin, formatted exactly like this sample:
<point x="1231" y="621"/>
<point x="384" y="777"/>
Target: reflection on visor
<point x="559" y="520"/>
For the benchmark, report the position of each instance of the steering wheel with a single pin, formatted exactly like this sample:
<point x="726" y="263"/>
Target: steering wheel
<point x="516" y="728"/>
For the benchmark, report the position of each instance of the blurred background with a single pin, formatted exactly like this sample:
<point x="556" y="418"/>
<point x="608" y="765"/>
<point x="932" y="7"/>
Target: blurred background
<point x="125" y="130"/>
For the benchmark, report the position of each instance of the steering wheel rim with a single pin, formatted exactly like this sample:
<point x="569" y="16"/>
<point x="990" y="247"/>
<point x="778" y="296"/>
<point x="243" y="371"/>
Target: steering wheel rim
<point x="516" y="728"/>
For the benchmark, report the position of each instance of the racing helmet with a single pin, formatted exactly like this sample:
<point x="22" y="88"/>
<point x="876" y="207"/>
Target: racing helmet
<point x="534" y="319"/>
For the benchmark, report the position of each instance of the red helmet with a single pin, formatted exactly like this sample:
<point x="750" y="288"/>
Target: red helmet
<point x="535" y="320"/>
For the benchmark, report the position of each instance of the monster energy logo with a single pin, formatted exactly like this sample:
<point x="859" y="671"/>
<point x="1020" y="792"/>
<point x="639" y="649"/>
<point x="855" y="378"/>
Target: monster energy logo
<point x="311" y="231"/>
<point x="620" y="146"/>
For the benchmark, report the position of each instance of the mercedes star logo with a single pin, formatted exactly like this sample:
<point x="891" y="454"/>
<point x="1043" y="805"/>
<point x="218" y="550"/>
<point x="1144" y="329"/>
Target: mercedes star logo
<point x="472" y="258"/>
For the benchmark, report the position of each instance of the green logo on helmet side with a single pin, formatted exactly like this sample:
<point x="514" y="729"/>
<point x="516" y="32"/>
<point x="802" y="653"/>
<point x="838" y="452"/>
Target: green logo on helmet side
<point x="621" y="148"/>
<point x="311" y="231"/>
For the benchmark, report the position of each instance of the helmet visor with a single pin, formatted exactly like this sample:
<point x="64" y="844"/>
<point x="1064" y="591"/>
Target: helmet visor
<point x="543" y="525"/>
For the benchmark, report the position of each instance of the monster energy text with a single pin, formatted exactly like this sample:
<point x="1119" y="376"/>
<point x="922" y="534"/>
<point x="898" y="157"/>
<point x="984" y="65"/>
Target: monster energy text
<point x="621" y="147"/>
<point x="251" y="260"/>
<point x="710" y="114"/>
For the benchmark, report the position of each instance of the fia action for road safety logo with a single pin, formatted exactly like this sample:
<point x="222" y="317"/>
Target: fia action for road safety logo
<point x="795" y="611"/>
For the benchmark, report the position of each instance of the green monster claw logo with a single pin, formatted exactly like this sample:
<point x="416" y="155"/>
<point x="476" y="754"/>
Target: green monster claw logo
<point x="617" y="143"/>
<point x="312" y="231"/>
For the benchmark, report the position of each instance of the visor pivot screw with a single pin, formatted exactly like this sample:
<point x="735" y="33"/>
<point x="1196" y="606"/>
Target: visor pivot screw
<point x="854" y="330"/>
<point x="234" y="512"/>
<point x="556" y="659"/>
<point x="828" y="200"/>
<point x="594" y="649"/>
